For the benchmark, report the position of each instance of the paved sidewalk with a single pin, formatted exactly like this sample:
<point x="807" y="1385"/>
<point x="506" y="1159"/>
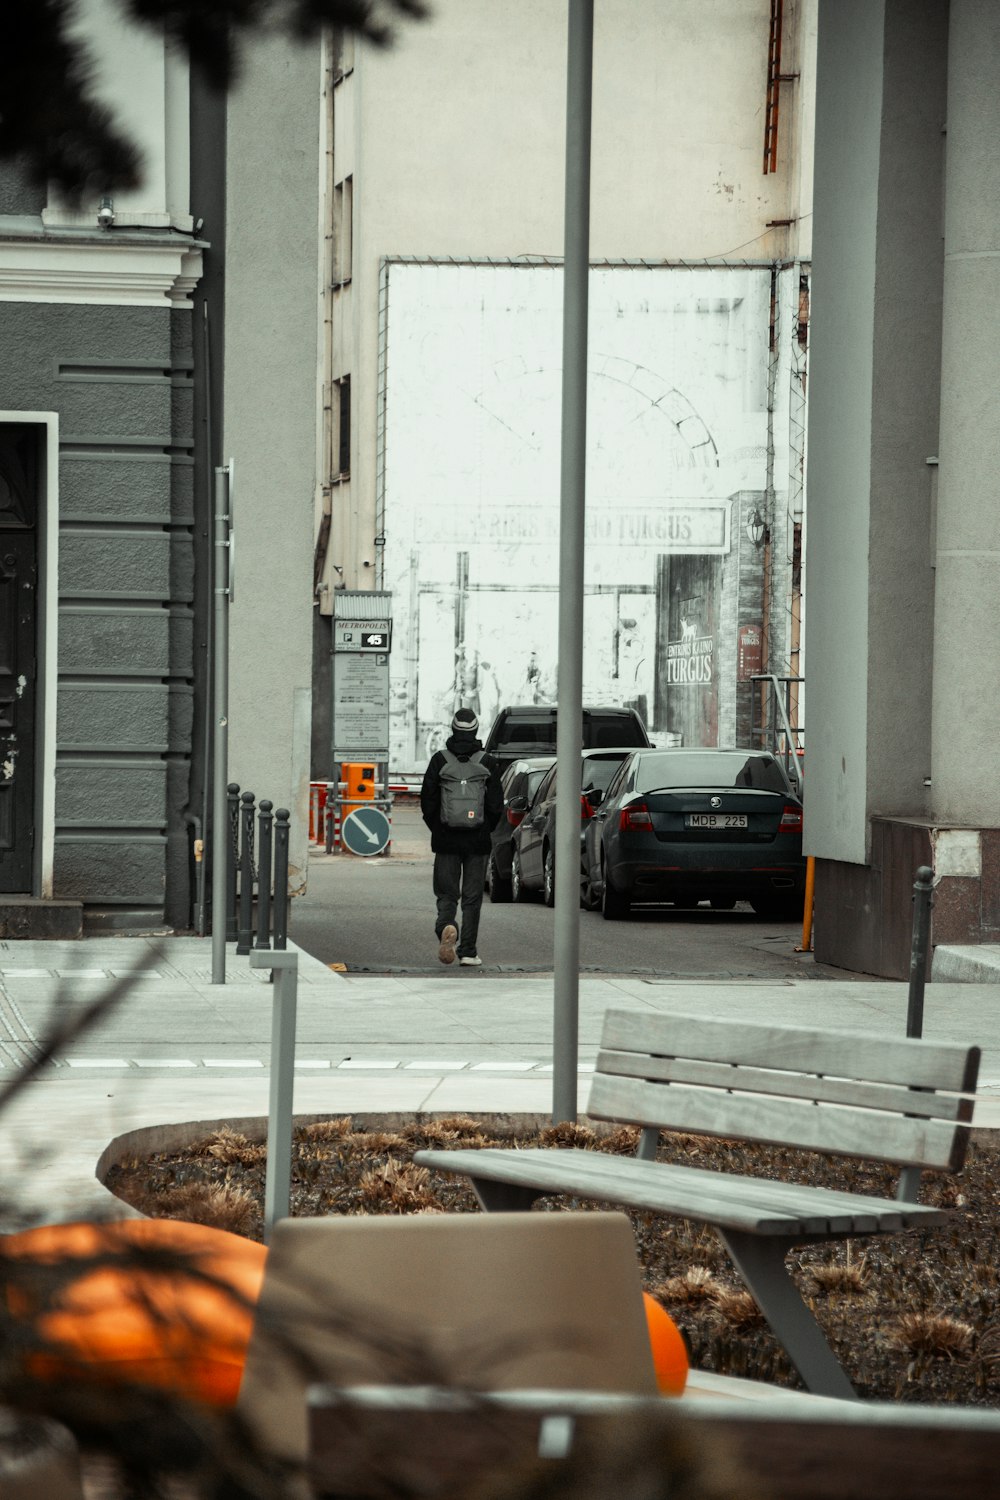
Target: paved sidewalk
<point x="181" y="1049"/>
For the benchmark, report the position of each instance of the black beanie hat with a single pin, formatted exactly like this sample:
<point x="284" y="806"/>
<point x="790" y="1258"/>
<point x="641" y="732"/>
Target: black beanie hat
<point x="465" y="722"/>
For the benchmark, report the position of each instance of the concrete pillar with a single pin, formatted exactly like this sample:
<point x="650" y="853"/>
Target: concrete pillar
<point x="873" y="417"/>
<point x="966" y="700"/>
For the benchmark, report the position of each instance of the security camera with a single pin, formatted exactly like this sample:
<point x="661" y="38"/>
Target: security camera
<point x="106" y="214"/>
<point x="366" y="563"/>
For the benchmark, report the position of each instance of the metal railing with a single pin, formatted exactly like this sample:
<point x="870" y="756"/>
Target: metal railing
<point x="771" y="726"/>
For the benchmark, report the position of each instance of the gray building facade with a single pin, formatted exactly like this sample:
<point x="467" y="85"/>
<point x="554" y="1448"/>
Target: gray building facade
<point x="105" y="437"/>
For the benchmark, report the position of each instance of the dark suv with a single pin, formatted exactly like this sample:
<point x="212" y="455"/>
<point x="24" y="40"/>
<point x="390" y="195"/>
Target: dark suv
<point x="530" y="729"/>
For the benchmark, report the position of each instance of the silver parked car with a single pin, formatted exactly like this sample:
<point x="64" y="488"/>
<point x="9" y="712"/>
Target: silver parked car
<point x="520" y="782"/>
<point x="533" y="866"/>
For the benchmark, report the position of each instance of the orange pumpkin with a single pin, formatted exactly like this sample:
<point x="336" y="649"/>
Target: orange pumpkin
<point x="670" y="1356"/>
<point x="182" y="1325"/>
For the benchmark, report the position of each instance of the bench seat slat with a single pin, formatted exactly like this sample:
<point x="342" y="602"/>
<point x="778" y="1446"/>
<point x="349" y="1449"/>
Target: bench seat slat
<point x="841" y="1054"/>
<point x="784" y="1084"/>
<point x="792" y="1122"/>
<point x="755" y="1205"/>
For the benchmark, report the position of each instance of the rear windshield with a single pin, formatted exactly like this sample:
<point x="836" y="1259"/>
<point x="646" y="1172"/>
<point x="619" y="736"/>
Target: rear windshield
<point x="598" y="731"/>
<point x="525" y="734"/>
<point x="597" y="772"/>
<point x="723" y="768"/>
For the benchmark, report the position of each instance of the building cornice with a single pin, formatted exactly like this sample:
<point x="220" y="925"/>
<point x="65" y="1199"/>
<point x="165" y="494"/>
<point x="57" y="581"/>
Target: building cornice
<point x="138" y="271"/>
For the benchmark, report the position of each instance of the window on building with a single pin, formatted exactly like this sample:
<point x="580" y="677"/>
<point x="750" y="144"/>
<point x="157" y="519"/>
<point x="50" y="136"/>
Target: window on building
<point x="344" y="426"/>
<point x="343" y="231"/>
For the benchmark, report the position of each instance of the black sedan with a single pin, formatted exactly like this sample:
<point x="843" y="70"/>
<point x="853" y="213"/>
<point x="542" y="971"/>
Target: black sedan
<point x="689" y="825"/>
<point x="533" y="863"/>
<point x="520" y="782"/>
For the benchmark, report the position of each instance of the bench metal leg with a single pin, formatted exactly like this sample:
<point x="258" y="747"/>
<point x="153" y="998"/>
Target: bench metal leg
<point x="760" y="1260"/>
<point x="503" y="1197"/>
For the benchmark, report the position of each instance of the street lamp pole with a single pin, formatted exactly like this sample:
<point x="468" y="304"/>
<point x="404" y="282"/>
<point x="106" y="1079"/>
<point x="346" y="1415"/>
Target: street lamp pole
<point x="569" y="733"/>
<point x="220" y="721"/>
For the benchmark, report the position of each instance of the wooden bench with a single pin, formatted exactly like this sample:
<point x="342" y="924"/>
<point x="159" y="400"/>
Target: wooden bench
<point x="887" y="1099"/>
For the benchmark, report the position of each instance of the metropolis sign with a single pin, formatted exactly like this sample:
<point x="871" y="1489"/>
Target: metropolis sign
<point x="362" y="640"/>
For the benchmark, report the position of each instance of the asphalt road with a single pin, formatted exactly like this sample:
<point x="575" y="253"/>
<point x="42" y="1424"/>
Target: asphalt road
<point x="376" y="915"/>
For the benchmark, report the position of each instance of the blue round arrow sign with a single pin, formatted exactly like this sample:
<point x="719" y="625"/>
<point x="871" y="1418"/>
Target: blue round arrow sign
<point x="365" y="830"/>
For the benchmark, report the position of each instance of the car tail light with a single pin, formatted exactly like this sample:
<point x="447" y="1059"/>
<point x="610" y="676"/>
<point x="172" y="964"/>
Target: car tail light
<point x="635" y="818"/>
<point x="791" y="820"/>
<point x="514" y="818"/>
<point x="586" y="811"/>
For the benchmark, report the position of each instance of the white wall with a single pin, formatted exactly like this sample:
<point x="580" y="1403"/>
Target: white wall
<point x="456" y="139"/>
<point x="677" y="427"/>
<point x="144" y="83"/>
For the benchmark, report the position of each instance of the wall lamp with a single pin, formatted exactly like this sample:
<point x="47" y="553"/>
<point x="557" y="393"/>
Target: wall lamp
<point x="756" y="528"/>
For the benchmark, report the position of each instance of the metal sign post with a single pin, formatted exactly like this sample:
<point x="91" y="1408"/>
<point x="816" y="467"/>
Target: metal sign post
<point x="362" y="640"/>
<point x="569" y="729"/>
<point x="220" y="703"/>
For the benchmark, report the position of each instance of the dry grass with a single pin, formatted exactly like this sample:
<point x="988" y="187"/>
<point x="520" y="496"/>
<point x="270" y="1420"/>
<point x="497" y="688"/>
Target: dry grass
<point x="738" y="1309"/>
<point x="931" y="1333"/>
<point x="395" y="1188"/>
<point x="696" y="1285"/>
<point x="846" y="1278"/>
<point x="229" y="1146"/>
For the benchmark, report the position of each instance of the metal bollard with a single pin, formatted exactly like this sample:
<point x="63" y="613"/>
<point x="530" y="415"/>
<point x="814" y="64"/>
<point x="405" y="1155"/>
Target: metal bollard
<point x="330" y="812"/>
<point x="232" y="853"/>
<point x="281" y="831"/>
<point x="923" y="900"/>
<point x="265" y="819"/>
<point x="244" y="935"/>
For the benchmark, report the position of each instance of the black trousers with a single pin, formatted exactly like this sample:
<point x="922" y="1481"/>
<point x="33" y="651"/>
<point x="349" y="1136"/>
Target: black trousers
<point x="460" y="877"/>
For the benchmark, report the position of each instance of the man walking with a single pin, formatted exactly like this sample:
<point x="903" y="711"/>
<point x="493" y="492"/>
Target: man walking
<point x="461" y="801"/>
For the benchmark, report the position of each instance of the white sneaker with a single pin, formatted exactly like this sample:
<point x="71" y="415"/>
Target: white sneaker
<point x="449" y="937"/>
<point x="471" y="961"/>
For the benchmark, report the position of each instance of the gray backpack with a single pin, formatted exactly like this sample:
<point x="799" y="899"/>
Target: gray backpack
<point x="463" y="790"/>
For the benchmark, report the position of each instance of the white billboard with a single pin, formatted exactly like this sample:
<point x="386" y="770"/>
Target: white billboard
<point x="677" y="457"/>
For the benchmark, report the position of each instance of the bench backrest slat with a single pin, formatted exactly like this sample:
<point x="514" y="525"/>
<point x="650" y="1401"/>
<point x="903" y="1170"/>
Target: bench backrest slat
<point x="790" y="1122"/>
<point x="841" y="1054"/>
<point x="885" y="1096"/>
<point x="848" y="1093"/>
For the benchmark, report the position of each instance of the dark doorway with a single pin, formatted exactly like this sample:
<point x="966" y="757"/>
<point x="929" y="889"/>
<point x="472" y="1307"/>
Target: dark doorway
<point x="19" y="471"/>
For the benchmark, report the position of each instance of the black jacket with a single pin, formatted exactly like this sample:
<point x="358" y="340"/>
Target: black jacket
<point x="446" y="840"/>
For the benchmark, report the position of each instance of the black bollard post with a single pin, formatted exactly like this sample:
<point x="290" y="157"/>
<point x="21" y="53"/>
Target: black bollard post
<point x="332" y="792"/>
<point x="923" y="900"/>
<point x="232" y="855"/>
<point x="265" y="819"/>
<point x="281" y="831"/>
<point x="244" y="936"/>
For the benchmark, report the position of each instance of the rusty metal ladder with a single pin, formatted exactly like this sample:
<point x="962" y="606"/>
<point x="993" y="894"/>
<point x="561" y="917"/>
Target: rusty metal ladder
<point x="774" y="700"/>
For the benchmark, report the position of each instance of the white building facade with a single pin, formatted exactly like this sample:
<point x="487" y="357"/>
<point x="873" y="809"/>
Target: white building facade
<point x="440" y="475"/>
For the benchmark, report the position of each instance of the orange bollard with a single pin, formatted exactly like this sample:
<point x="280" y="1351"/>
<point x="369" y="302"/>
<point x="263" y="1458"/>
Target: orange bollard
<point x="807" y="915"/>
